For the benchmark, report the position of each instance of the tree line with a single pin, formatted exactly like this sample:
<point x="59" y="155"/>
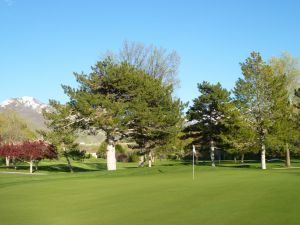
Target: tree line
<point x="130" y="96"/>
<point x="261" y="114"/>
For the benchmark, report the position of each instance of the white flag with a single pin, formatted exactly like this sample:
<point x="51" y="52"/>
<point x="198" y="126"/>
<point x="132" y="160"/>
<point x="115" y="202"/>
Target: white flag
<point x="194" y="149"/>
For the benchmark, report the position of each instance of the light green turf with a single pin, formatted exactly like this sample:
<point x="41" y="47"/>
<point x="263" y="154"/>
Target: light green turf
<point x="162" y="195"/>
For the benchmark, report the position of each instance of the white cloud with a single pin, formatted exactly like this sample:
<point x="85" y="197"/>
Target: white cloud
<point x="9" y="2"/>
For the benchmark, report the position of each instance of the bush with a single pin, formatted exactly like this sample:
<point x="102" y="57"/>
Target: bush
<point x="76" y="154"/>
<point x="2" y="160"/>
<point x="133" y="157"/>
<point x="122" y="157"/>
<point x="101" y="153"/>
<point x="120" y="149"/>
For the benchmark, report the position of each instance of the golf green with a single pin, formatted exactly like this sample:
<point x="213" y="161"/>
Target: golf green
<point x="161" y="195"/>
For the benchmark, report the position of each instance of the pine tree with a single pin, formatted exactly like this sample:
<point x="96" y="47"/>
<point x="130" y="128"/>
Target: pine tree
<point x="239" y="137"/>
<point x="156" y="116"/>
<point x="124" y="101"/>
<point x="207" y="116"/>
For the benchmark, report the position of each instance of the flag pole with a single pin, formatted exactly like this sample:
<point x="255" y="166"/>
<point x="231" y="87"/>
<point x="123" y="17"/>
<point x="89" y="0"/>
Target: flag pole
<point x="194" y="162"/>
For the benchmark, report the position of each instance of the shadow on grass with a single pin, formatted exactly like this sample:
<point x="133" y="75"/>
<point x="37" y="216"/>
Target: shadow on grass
<point x="64" y="167"/>
<point x="238" y="166"/>
<point x="225" y="164"/>
<point x="61" y="167"/>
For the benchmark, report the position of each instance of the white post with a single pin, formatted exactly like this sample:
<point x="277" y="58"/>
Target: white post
<point x="194" y="150"/>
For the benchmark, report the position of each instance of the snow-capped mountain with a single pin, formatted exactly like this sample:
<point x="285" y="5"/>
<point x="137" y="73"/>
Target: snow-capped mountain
<point x="24" y="102"/>
<point x="29" y="108"/>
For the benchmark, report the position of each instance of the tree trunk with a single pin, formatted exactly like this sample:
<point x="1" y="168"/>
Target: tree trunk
<point x="30" y="166"/>
<point x="14" y="162"/>
<point x="263" y="157"/>
<point x="242" y="158"/>
<point x="36" y="166"/>
<point x="7" y="159"/>
<point x="150" y="159"/>
<point x="212" y="154"/>
<point x="153" y="159"/>
<point x="69" y="163"/>
<point x="111" y="156"/>
<point x="234" y="159"/>
<point x="287" y="156"/>
<point x="142" y="161"/>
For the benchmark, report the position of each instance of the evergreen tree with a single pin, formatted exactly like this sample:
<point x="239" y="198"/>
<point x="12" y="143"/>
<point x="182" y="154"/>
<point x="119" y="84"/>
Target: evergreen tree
<point x="239" y="137"/>
<point x="123" y="101"/>
<point x="156" y="117"/>
<point x="207" y="116"/>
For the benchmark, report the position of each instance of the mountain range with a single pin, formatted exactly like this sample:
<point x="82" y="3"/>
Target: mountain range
<point x="30" y="109"/>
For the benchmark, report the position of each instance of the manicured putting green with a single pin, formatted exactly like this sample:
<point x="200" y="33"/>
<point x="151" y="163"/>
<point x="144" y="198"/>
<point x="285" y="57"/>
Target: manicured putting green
<point x="161" y="195"/>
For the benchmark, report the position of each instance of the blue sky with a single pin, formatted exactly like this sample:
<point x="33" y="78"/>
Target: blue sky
<point x="43" y="42"/>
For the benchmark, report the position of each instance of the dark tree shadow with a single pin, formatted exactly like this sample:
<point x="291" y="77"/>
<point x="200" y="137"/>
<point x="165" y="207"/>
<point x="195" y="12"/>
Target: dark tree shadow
<point x="61" y="167"/>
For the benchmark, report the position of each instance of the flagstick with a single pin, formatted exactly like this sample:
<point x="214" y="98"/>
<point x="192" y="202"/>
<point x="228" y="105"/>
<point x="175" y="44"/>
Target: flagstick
<point x="193" y="162"/>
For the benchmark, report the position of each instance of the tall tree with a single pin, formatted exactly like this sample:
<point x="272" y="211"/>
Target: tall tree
<point x="156" y="116"/>
<point x="100" y="102"/>
<point x="257" y="94"/>
<point x="207" y="115"/>
<point x="124" y="101"/>
<point x="285" y="132"/>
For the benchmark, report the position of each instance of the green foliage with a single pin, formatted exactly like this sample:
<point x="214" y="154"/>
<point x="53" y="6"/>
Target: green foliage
<point x="133" y="157"/>
<point x="284" y="134"/>
<point x="62" y="132"/>
<point x="101" y="153"/>
<point x="13" y="128"/>
<point x="239" y="137"/>
<point x="120" y="148"/>
<point x="254" y="94"/>
<point x="208" y="114"/>
<point x="125" y="101"/>
<point x="156" y="118"/>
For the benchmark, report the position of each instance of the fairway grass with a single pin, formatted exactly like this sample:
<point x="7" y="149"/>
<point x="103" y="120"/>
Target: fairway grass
<point x="161" y="195"/>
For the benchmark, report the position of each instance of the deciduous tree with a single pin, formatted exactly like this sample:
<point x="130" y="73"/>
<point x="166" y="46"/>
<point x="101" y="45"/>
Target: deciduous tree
<point x="258" y="94"/>
<point x="157" y="62"/>
<point x="29" y="151"/>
